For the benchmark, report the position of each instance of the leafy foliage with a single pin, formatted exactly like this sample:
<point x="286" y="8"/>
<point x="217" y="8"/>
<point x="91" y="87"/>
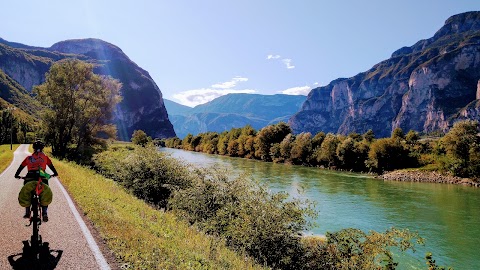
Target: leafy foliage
<point x="355" y="249"/>
<point x="139" y="137"/>
<point x="462" y="145"/>
<point x="79" y="108"/>
<point x="149" y="174"/>
<point x="246" y="215"/>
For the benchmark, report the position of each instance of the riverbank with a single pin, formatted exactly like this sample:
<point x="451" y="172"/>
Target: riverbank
<point x="429" y="177"/>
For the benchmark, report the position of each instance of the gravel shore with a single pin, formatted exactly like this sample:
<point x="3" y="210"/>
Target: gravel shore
<point x="432" y="177"/>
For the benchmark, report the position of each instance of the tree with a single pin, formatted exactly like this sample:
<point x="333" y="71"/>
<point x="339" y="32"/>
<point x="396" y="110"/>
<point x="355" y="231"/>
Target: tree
<point x="327" y="155"/>
<point x="79" y="107"/>
<point x="268" y="136"/>
<point x="412" y="137"/>
<point x="318" y="139"/>
<point x="302" y="148"/>
<point x="139" y="137"/>
<point x="398" y="134"/>
<point x="369" y="136"/>
<point x="286" y="147"/>
<point x="388" y="154"/>
<point x="458" y="144"/>
<point x="346" y="153"/>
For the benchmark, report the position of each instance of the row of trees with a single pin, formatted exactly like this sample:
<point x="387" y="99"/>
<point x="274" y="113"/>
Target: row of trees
<point x="14" y="129"/>
<point x="457" y="151"/>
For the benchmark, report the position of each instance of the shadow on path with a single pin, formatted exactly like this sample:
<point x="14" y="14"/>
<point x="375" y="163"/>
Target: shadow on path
<point x="42" y="258"/>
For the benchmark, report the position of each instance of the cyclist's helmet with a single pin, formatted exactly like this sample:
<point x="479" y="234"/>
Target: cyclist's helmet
<point x="38" y="145"/>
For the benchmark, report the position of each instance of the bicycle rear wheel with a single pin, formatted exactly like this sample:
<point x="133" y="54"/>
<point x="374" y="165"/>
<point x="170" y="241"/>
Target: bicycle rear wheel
<point x="36" y="239"/>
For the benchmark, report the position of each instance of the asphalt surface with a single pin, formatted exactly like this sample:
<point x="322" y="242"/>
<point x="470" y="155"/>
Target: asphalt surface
<point x="70" y="247"/>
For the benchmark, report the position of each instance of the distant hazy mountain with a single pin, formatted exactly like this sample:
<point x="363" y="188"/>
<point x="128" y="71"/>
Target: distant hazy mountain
<point x="174" y="108"/>
<point x="232" y="111"/>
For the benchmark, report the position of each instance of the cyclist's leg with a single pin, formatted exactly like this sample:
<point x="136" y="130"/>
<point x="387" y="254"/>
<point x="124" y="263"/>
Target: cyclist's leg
<point x="45" y="213"/>
<point x="27" y="212"/>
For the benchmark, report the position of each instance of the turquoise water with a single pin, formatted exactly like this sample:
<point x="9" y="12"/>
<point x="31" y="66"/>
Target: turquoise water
<point x="447" y="216"/>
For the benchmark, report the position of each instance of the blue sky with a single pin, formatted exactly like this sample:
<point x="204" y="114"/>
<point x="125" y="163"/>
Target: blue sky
<point x="198" y="50"/>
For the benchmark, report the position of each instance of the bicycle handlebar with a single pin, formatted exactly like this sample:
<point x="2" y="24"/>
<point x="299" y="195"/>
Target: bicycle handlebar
<point x="23" y="177"/>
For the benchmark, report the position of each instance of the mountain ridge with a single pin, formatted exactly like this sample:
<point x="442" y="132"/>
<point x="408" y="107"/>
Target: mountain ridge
<point x="142" y="105"/>
<point x="233" y="111"/>
<point x="425" y="87"/>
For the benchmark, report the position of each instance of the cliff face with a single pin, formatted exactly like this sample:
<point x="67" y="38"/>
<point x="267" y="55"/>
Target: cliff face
<point x="142" y="106"/>
<point x="426" y="87"/>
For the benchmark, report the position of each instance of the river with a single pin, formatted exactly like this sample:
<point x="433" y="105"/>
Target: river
<point x="446" y="216"/>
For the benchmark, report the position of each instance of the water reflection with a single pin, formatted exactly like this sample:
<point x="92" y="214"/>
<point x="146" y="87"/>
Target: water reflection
<point x="447" y="216"/>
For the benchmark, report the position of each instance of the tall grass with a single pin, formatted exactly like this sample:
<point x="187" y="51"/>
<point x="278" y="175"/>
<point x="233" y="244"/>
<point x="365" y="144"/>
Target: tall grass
<point x="6" y="155"/>
<point x="141" y="236"/>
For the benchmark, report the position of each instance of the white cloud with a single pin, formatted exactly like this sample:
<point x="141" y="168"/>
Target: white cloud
<point x="288" y="63"/>
<point x="195" y="97"/>
<point x="230" y="84"/>
<point x="299" y="90"/>
<point x="271" y="56"/>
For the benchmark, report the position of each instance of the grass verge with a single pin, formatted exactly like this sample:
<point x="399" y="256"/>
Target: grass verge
<point x="6" y="155"/>
<point x="140" y="236"/>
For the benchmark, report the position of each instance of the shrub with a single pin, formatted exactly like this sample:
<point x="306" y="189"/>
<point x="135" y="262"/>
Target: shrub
<point x="265" y="225"/>
<point x="139" y="137"/>
<point x="355" y="249"/>
<point x="149" y="174"/>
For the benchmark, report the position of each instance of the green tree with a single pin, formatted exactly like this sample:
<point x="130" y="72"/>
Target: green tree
<point x="346" y="153"/>
<point x="187" y="142"/>
<point x="327" y="153"/>
<point x="318" y="139"/>
<point x="268" y="136"/>
<point x="286" y="147"/>
<point x="458" y="144"/>
<point x="412" y="137"/>
<point x="397" y="133"/>
<point x="79" y="107"/>
<point x="369" y="136"/>
<point x="302" y="148"/>
<point x="139" y="137"/>
<point x="387" y="154"/>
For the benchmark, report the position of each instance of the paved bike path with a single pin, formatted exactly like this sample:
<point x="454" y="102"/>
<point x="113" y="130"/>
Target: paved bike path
<point x="69" y="247"/>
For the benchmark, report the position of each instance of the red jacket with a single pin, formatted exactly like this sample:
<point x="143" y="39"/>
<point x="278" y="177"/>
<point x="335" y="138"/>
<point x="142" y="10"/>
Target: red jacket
<point x="37" y="161"/>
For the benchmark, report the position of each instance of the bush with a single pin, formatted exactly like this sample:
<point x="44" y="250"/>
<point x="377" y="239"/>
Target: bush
<point x="149" y="174"/>
<point x="388" y="154"/>
<point x="139" y="137"/>
<point x="355" y="249"/>
<point x="265" y="225"/>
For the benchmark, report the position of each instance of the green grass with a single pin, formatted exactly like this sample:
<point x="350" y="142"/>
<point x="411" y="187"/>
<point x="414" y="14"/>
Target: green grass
<point x="6" y="155"/>
<point x="140" y="236"/>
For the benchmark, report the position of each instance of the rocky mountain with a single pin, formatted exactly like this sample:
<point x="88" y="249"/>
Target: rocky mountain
<point x="233" y="111"/>
<point x="142" y="106"/>
<point x="425" y="87"/>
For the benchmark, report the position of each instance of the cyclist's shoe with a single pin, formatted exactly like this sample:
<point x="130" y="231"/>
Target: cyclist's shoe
<point x="27" y="214"/>
<point x="45" y="217"/>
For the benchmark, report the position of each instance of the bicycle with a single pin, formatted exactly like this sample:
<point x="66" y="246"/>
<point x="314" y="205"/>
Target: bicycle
<point x="35" y="214"/>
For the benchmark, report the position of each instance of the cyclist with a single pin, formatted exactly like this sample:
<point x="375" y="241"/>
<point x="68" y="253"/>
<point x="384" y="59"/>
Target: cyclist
<point x="36" y="164"/>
